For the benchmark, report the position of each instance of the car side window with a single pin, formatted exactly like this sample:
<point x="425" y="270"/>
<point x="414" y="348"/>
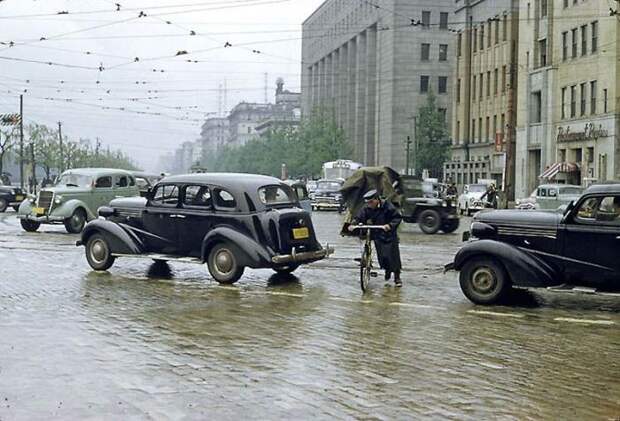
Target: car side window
<point x="104" y="182"/>
<point x="121" y="181"/>
<point x="553" y="193"/>
<point x="542" y="192"/>
<point x="587" y="210"/>
<point x="132" y="181"/>
<point x="608" y="211"/>
<point x="224" y="200"/>
<point x="166" y="195"/>
<point x="198" y="196"/>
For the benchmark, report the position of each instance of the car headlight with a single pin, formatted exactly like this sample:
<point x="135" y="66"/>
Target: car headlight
<point x="472" y="199"/>
<point x="444" y="203"/>
<point x="58" y="200"/>
<point x="13" y="191"/>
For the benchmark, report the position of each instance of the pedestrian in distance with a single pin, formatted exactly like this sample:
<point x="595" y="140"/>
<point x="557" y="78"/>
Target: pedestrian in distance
<point x="378" y="211"/>
<point x="491" y="196"/>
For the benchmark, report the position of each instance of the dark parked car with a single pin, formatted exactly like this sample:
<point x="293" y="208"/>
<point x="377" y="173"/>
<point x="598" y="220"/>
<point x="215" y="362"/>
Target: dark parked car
<point x="425" y="204"/>
<point x="145" y="181"/>
<point x="228" y="221"/>
<point x="532" y="249"/>
<point x="10" y="196"/>
<point x="327" y="195"/>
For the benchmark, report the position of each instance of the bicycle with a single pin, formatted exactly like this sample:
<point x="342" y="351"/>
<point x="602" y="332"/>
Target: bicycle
<point x="366" y="271"/>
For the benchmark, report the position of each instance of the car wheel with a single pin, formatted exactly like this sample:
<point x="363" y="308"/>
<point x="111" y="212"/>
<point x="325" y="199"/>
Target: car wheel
<point x="3" y="205"/>
<point x="75" y="223"/>
<point x="223" y="264"/>
<point x="98" y="253"/>
<point x="483" y="280"/>
<point x="29" y="226"/>
<point x="430" y="221"/>
<point x="286" y="269"/>
<point x="450" y="226"/>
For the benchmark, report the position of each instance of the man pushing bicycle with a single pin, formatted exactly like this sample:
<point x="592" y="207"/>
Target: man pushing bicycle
<point x="381" y="212"/>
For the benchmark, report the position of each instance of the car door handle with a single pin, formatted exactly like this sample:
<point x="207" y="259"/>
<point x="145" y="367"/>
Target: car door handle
<point x="177" y="216"/>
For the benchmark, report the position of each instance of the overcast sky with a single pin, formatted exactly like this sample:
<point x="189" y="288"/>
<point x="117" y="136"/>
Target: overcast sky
<point x="141" y="71"/>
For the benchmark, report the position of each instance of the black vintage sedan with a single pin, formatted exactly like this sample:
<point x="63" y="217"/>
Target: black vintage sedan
<point x="533" y="249"/>
<point x="228" y="221"/>
<point x="10" y="196"/>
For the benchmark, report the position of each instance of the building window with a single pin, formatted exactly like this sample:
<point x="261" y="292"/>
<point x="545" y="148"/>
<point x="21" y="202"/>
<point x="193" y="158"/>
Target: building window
<point x="495" y="81"/>
<point x="605" y="100"/>
<point x="584" y="40"/>
<point x="536" y="116"/>
<point x="443" y="52"/>
<point x="503" y="122"/>
<point x="496" y="30"/>
<point x="529" y="7"/>
<point x="459" y="40"/>
<point x="473" y="130"/>
<point x="480" y="129"/>
<point x="582" y="91"/>
<point x="489" y="35"/>
<point x="488" y="129"/>
<point x="426" y="18"/>
<point x="443" y="112"/>
<point x="475" y="38"/>
<point x="443" y="20"/>
<point x="573" y="101"/>
<point x="423" y="84"/>
<point x="457" y="135"/>
<point x="442" y="84"/>
<point x="481" y="86"/>
<point x="494" y="126"/>
<point x="594" y="27"/>
<point x="542" y="47"/>
<point x="504" y="78"/>
<point x="564" y="45"/>
<point x="574" y="34"/>
<point x="458" y="91"/>
<point x="482" y="36"/>
<point x="473" y="87"/>
<point x="563" y="103"/>
<point x="543" y="8"/>
<point x="593" y="97"/>
<point x="488" y="83"/>
<point x="565" y="4"/>
<point x="425" y="52"/>
<point x="505" y="29"/>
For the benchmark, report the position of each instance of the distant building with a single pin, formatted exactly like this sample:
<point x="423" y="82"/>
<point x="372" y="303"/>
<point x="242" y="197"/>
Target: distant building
<point x="373" y="64"/>
<point x="485" y="83"/>
<point x="215" y="133"/>
<point x="568" y="122"/>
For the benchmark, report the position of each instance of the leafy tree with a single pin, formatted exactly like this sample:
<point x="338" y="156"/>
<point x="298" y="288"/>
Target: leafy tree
<point x="6" y="144"/>
<point x="433" y="145"/>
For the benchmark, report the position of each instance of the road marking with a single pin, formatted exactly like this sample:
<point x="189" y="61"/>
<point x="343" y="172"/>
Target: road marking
<point x="494" y="313"/>
<point x="585" y="321"/>
<point x="416" y="306"/>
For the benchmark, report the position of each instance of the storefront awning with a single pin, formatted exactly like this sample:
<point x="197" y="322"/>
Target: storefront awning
<point x="558" y="167"/>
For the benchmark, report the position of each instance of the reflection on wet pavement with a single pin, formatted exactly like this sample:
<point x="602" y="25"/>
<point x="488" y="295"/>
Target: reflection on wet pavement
<point x="155" y="341"/>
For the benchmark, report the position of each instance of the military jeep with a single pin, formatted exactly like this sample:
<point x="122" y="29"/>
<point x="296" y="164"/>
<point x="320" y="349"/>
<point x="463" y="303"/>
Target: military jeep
<point x="420" y="202"/>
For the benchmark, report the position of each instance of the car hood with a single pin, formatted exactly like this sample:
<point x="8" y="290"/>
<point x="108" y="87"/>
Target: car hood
<point x="519" y="217"/>
<point x="128" y="202"/>
<point x="64" y="190"/>
<point x="473" y="195"/>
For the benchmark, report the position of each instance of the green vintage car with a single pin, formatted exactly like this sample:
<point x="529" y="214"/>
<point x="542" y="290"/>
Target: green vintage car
<point x="75" y="198"/>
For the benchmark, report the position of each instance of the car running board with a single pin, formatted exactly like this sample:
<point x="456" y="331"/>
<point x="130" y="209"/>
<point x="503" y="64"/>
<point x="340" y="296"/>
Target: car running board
<point x="582" y="290"/>
<point x="162" y="257"/>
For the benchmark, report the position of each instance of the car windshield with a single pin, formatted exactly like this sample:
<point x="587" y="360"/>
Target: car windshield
<point x="74" y="180"/>
<point x="575" y="191"/>
<point x="329" y="185"/>
<point x="275" y="195"/>
<point x="477" y="188"/>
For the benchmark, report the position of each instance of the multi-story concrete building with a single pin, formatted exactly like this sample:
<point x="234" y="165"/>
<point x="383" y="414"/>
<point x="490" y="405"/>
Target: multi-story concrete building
<point x="213" y="135"/>
<point x="372" y="65"/>
<point x="568" y="112"/>
<point x="485" y="92"/>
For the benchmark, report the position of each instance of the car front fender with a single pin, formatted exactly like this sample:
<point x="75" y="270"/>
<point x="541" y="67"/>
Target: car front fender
<point x="25" y="208"/>
<point x="66" y="209"/>
<point x="253" y="254"/>
<point x="120" y="240"/>
<point x="524" y="268"/>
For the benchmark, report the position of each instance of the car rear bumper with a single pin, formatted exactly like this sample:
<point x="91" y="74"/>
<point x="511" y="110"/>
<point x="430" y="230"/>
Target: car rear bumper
<point x="302" y="257"/>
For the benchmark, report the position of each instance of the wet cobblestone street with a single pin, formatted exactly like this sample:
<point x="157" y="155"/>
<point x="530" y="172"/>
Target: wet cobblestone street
<point x="150" y="341"/>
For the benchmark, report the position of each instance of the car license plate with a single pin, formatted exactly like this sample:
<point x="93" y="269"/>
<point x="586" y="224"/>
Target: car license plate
<point x="19" y="197"/>
<point x="300" y="233"/>
<point x="38" y="211"/>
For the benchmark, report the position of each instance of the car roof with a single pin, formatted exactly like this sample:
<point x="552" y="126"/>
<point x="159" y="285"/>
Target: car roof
<point x="97" y="171"/>
<point x="242" y="180"/>
<point x="547" y="186"/>
<point x="611" y="187"/>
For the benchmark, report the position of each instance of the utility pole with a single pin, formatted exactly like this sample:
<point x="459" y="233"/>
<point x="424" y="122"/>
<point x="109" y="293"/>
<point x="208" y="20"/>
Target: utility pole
<point x="407" y="146"/>
<point x="62" y="160"/>
<point x="21" y="141"/>
<point x="34" y="169"/>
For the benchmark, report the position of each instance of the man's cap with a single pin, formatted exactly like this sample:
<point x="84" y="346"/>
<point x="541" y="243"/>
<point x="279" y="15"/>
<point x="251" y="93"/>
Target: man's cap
<point x="371" y="194"/>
